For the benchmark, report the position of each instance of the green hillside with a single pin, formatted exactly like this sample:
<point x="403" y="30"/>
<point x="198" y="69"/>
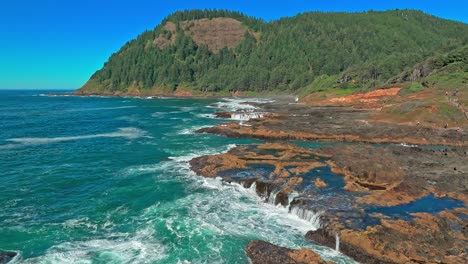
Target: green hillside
<point x="447" y="71"/>
<point x="348" y="50"/>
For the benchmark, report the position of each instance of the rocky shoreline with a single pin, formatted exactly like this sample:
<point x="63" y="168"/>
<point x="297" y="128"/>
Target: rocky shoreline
<point x="381" y="202"/>
<point x="288" y="121"/>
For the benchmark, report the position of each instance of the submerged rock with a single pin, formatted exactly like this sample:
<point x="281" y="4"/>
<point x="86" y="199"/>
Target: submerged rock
<point x="7" y="256"/>
<point x="261" y="252"/>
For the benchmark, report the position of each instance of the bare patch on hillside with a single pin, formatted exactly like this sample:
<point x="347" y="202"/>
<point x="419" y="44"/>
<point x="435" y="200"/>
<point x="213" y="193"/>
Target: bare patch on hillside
<point x="168" y="36"/>
<point x="215" y="33"/>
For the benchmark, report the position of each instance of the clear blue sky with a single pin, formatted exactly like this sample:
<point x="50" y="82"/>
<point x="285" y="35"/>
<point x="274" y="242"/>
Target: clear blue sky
<point x="57" y="44"/>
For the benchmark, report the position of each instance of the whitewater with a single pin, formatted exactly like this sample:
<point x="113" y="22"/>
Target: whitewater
<point x="107" y="180"/>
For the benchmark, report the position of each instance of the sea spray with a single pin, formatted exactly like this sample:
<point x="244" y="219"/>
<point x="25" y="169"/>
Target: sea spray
<point x="124" y="132"/>
<point x="272" y="197"/>
<point x="235" y="104"/>
<point x="306" y="214"/>
<point x="291" y="197"/>
<point x="246" y="116"/>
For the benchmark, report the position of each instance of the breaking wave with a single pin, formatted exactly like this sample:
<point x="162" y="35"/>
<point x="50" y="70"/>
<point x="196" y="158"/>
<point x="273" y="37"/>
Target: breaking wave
<point x="188" y="131"/>
<point x="235" y="104"/>
<point x="125" y="132"/>
<point x="139" y="249"/>
<point x="101" y="108"/>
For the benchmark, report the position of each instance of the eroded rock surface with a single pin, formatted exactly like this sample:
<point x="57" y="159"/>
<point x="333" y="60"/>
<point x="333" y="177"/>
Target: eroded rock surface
<point x="336" y="124"/>
<point x="261" y="252"/>
<point x="397" y="174"/>
<point x="386" y="203"/>
<point x="273" y="167"/>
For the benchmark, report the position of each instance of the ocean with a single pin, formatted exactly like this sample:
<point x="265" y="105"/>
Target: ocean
<point x="107" y="180"/>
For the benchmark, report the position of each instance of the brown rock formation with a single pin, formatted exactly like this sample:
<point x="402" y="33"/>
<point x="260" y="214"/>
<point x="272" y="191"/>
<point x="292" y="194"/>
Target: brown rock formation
<point x="288" y="161"/>
<point x="393" y="175"/>
<point x="328" y="238"/>
<point x="261" y="252"/>
<point x="386" y="175"/>
<point x="336" y="124"/>
<point x="370" y="100"/>
<point x="319" y="183"/>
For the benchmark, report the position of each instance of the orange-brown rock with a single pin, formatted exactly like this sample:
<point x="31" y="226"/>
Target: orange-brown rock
<point x="368" y="100"/>
<point x="336" y="124"/>
<point x="427" y="239"/>
<point x="393" y="175"/>
<point x="320" y="183"/>
<point x="291" y="184"/>
<point x="385" y="175"/>
<point x="210" y="166"/>
<point x="289" y="162"/>
<point x="182" y="93"/>
<point x="307" y="256"/>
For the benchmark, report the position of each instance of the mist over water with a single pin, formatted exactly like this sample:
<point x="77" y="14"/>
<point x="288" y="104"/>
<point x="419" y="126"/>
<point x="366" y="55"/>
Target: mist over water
<point x="106" y="180"/>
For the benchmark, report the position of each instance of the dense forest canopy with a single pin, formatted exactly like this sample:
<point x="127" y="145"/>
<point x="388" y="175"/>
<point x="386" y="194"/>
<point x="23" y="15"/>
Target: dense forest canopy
<point x="352" y="49"/>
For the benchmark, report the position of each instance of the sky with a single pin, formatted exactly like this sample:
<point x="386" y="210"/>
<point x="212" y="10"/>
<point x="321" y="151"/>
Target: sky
<point x="56" y="44"/>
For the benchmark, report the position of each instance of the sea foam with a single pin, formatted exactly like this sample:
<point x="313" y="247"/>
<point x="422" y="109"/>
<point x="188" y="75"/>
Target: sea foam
<point x="125" y="132"/>
<point x="136" y="249"/>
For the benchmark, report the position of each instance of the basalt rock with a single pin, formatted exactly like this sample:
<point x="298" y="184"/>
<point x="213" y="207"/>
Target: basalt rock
<point x="281" y="168"/>
<point x="282" y="198"/>
<point x="264" y="188"/>
<point x="361" y="205"/>
<point x="396" y="174"/>
<point x="7" y="256"/>
<point x="326" y="238"/>
<point x="336" y="124"/>
<point x="261" y="252"/>
<point x="223" y="114"/>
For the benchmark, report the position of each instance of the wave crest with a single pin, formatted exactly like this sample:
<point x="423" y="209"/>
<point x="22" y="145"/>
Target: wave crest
<point x="124" y="132"/>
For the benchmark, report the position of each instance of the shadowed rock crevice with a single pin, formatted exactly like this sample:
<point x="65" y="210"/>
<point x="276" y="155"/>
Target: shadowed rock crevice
<point x="7" y="256"/>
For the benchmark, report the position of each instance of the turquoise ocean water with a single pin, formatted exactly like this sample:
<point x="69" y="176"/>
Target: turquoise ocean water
<point x="106" y="180"/>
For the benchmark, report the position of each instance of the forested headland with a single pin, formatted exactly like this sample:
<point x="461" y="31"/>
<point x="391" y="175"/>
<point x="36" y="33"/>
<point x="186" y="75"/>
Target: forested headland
<point x="219" y="51"/>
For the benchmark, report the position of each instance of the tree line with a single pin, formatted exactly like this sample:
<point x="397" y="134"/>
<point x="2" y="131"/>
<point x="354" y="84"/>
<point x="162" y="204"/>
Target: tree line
<point x="359" y="49"/>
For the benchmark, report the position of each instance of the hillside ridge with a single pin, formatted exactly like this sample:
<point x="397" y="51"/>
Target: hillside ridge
<point x="219" y="51"/>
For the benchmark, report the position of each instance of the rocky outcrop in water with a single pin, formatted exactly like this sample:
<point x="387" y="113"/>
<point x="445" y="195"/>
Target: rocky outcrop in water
<point x="398" y="174"/>
<point x="261" y="252"/>
<point x="275" y="168"/>
<point x="223" y="114"/>
<point x="7" y="256"/>
<point x="325" y="237"/>
<point x="335" y="124"/>
<point x="385" y="204"/>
